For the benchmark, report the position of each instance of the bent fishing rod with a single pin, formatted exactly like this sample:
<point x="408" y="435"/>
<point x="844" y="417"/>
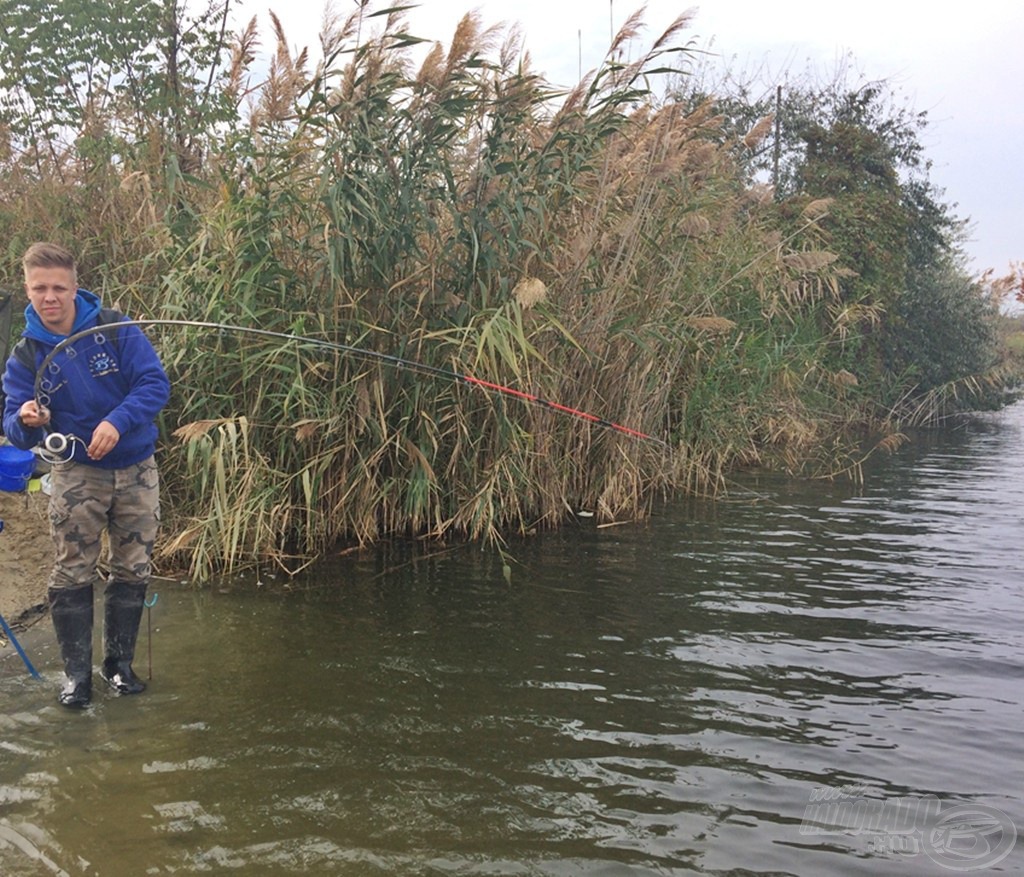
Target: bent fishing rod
<point x="56" y="443"/>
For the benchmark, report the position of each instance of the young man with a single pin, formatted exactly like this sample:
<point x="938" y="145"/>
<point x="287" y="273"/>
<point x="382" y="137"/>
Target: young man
<point x="103" y="393"/>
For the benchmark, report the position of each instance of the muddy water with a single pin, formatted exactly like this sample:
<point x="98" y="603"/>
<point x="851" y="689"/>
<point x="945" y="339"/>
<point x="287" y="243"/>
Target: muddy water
<point x="827" y="680"/>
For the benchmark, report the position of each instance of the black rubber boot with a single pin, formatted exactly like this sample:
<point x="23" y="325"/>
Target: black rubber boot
<point x="71" y="611"/>
<point x="122" y="613"/>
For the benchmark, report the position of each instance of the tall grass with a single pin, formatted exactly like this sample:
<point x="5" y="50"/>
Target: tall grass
<point x="595" y="248"/>
<point x="599" y="248"/>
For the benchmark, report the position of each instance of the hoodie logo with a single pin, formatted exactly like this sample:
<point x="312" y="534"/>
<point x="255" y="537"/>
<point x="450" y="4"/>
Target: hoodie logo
<point x="102" y="363"/>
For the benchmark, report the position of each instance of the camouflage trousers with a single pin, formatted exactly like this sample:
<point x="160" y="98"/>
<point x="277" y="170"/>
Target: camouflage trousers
<point x="86" y="500"/>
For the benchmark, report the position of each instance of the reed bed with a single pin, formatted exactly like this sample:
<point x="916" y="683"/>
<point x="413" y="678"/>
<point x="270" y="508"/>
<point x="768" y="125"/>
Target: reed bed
<point x="593" y="248"/>
<point x="603" y="248"/>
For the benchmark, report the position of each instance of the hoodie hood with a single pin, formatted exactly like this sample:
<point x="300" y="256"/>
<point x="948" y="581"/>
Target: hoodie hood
<point x="87" y="307"/>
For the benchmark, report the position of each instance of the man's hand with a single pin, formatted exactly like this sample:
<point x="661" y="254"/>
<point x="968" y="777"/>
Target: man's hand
<point x="33" y="415"/>
<point x="104" y="437"/>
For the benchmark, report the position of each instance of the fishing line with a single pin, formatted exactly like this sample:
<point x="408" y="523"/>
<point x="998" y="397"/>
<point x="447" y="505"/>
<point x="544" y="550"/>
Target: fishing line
<point x="57" y="443"/>
<point x="149" y="603"/>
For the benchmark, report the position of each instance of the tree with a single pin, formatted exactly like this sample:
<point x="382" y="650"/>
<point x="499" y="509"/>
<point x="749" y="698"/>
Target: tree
<point x="923" y="323"/>
<point x="103" y="80"/>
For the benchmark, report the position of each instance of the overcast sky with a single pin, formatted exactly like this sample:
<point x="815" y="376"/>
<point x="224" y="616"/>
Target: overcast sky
<point x="963" y="64"/>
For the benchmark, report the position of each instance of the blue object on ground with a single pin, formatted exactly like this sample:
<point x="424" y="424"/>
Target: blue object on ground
<point x="16" y="468"/>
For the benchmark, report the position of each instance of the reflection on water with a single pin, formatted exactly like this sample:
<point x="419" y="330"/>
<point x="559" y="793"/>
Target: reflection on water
<point x="677" y="697"/>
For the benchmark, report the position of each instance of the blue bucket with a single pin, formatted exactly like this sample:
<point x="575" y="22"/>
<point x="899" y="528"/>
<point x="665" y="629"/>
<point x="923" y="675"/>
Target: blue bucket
<point x="16" y="468"/>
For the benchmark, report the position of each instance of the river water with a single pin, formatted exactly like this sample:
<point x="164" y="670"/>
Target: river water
<point x="803" y="679"/>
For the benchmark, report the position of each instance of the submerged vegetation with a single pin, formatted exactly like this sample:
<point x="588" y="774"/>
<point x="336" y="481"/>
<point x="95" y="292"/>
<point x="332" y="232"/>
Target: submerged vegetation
<point x="750" y="292"/>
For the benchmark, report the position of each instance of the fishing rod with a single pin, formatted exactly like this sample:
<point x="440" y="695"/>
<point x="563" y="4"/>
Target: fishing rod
<point x="17" y="647"/>
<point x="56" y="443"/>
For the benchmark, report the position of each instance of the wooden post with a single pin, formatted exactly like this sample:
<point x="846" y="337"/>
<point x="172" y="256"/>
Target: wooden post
<point x="778" y="140"/>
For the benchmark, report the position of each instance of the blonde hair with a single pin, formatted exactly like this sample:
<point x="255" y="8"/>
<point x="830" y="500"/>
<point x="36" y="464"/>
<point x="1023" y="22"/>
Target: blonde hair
<point x="47" y="255"/>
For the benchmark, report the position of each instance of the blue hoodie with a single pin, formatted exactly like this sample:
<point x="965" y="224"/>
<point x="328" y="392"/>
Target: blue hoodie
<point x="119" y="381"/>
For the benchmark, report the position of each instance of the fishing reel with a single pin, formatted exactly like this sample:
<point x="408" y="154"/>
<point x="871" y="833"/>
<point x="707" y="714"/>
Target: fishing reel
<point x="58" y="447"/>
<point x="56" y="442"/>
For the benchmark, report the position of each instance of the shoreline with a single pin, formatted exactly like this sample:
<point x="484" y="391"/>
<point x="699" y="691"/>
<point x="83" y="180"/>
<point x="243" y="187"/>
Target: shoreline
<point x="26" y="556"/>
